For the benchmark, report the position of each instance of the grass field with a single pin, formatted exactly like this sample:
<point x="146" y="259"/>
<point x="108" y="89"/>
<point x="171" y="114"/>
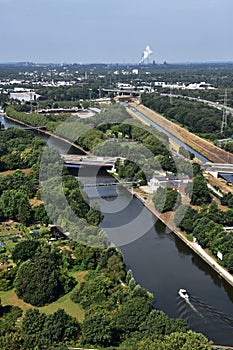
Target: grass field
<point x="75" y="310"/>
<point x="7" y="233"/>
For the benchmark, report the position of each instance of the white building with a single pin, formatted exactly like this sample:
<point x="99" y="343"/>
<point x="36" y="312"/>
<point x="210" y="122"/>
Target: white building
<point x="124" y="86"/>
<point x="24" y="96"/>
<point x="200" y="86"/>
<point x="172" y="181"/>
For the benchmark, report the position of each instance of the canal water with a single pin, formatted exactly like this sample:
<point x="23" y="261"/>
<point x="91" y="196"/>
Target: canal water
<point x="52" y="141"/>
<point x="163" y="264"/>
<point x="158" y="127"/>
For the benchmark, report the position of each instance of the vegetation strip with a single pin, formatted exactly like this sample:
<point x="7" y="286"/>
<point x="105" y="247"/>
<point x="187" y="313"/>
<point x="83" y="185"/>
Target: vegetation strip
<point x="208" y="150"/>
<point x="48" y="133"/>
<point x="117" y="314"/>
<point x="197" y="249"/>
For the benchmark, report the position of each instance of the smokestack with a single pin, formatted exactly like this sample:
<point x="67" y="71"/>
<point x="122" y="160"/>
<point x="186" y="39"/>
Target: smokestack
<point x="146" y="54"/>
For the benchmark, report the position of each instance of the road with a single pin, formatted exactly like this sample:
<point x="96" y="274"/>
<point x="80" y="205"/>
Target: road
<point x="217" y="105"/>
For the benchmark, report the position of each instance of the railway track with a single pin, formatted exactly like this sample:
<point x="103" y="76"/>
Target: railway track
<point x="204" y="147"/>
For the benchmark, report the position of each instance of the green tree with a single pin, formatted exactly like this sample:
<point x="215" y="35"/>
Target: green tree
<point x="15" y="205"/>
<point x="45" y="267"/>
<point x="33" y="322"/>
<point x="196" y="169"/>
<point x="131" y="314"/>
<point x="132" y="283"/>
<point x="185" y="217"/>
<point x="186" y="341"/>
<point x="94" y="216"/>
<point x="97" y="329"/>
<point x="166" y="199"/>
<point x="199" y="192"/>
<point x="24" y="250"/>
<point x="11" y="341"/>
<point x="93" y="292"/>
<point x="39" y="330"/>
<point x="60" y="327"/>
<point x="129" y="275"/>
<point x="115" y="268"/>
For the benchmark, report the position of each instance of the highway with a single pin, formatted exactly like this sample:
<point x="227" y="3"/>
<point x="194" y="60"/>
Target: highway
<point x="217" y="105"/>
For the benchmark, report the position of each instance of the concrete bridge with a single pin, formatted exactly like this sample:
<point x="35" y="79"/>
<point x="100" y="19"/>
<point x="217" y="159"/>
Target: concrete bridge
<point x="106" y="184"/>
<point x="124" y="92"/>
<point x="87" y="161"/>
<point x="215" y="168"/>
<point x="35" y="128"/>
<point x="224" y="171"/>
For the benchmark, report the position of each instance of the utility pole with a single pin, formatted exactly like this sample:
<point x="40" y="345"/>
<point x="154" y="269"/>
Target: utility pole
<point x="224" y="113"/>
<point x="90" y="94"/>
<point x="171" y="97"/>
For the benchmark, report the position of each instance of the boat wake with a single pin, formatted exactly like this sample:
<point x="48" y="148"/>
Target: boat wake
<point x="208" y="317"/>
<point x="212" y="313"/>
<point x="185" y="296"/>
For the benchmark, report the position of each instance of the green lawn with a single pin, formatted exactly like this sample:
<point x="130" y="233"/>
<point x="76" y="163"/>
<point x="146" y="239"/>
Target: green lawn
<point x="7" y="232"/>
<point x="75" y="310"/>
<point x="129" y="144"/>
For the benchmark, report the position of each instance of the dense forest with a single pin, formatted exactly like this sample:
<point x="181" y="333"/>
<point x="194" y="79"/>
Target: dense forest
<point x="202" y="219"/>
<point x="207" y="222"/>
<point x="118" y="312"/>
<point x="19" y="190"/>
<point x="19" y="149"/>
<point x="197" y="117"/>
<point x="85" y="296"/>
<point x="215" y="95"/>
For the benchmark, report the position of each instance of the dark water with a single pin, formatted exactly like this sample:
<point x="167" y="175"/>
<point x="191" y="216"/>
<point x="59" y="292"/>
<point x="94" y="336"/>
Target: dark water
<point x="178" y="141"/>
<point x="163" y="264"/>
<point x="51" y="141"/>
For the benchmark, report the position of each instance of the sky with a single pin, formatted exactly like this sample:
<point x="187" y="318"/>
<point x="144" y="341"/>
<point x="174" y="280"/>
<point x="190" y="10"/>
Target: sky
<point x="108" y="31"/>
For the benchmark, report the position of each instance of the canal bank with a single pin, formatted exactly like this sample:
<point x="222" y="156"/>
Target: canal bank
<point x="168" y="222"/>
<point x="162" y="263"/>
<point x="206" y="149"/>
<point x="48" y="134"/>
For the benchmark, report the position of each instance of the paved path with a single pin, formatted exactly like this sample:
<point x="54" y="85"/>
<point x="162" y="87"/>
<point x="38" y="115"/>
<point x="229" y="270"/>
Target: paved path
<point x="222" y="347"/>
<point x="168" y="221"/>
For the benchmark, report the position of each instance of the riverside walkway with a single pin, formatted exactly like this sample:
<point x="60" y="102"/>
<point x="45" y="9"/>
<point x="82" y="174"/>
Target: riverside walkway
<point x="168" y="221"/>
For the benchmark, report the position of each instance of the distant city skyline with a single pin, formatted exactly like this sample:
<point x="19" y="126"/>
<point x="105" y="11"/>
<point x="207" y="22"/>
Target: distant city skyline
<point x="101" y="31"/>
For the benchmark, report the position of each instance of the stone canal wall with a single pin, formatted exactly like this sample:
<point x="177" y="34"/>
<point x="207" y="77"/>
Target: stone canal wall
<point x="167" y="220"/>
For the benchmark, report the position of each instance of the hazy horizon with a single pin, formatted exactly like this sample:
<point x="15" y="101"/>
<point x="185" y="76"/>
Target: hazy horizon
<point x="115" y="63"/>
<point x="87" y="31"/>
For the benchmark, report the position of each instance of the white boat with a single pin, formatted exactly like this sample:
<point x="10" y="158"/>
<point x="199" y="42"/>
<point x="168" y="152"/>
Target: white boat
<point x="183" y="294"/>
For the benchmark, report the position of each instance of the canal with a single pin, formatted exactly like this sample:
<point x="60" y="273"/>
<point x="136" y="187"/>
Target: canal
<point x="163" y="264"/>
<point x="172" y="137"/>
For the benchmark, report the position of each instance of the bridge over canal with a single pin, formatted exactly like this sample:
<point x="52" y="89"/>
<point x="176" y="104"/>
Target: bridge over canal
<point x="87" y="161"/>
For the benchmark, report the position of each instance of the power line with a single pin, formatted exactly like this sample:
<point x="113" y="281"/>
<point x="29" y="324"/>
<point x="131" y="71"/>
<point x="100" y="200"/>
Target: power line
<point x="224" y="113"/>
